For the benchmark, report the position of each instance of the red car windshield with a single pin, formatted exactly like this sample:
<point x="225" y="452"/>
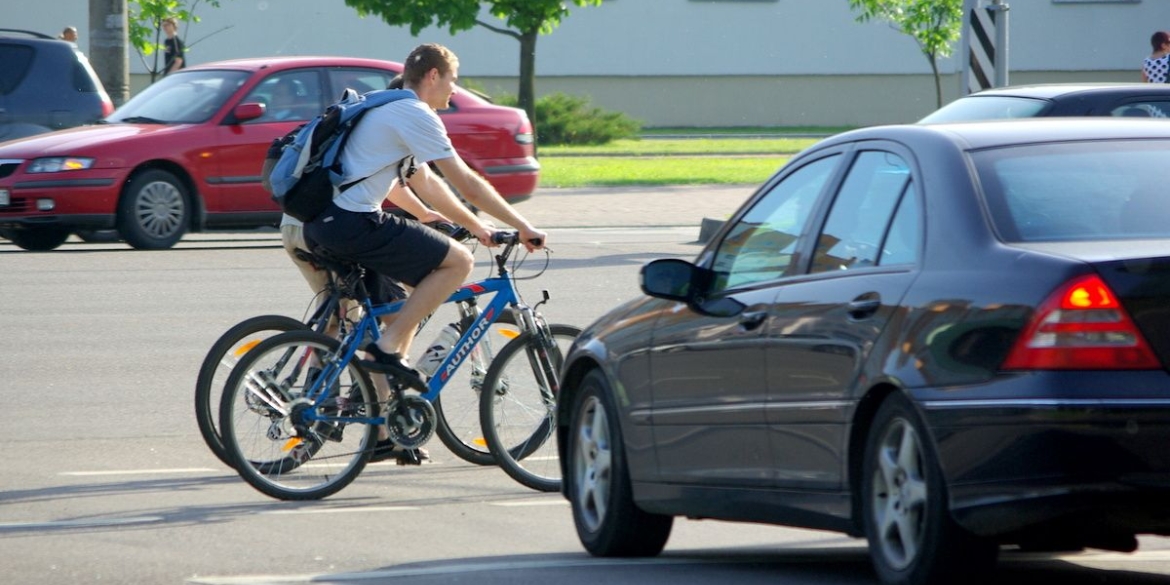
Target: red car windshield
<point x="184" y="97"/>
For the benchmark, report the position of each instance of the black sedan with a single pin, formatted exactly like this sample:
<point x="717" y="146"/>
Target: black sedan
<point x="1131" y="100"/>
<point x="943" y="338"/>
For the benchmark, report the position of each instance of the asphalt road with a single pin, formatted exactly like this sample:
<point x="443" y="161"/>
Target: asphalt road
<point x="107" y="480"/>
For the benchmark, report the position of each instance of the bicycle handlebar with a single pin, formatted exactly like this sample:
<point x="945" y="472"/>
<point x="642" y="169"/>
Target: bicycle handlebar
<point x="511" y="237"/>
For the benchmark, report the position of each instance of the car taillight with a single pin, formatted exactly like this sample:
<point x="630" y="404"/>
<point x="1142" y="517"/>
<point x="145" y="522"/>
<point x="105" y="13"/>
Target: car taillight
<point x="1081" y="326"/>
<point x="107" y="108"/>
<point x="523" y="133"/>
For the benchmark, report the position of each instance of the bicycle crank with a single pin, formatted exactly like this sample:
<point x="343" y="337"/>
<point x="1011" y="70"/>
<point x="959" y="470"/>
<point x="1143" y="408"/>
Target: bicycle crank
<point x="410" y="420"/>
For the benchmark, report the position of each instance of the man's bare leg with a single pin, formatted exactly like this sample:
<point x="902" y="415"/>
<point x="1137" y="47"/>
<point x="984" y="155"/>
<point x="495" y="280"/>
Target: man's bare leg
<point x="430" y="293"/>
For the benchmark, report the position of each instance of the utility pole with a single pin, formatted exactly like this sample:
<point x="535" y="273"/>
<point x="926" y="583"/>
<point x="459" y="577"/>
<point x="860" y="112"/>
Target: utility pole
<point x="108" y="40"/>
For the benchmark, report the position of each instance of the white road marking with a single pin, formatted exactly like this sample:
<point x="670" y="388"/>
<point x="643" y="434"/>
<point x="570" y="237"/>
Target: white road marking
<point x="347" y="510"/>
<point x="138" y="472"/>
<point x="88" y="523"/>
<point x="546" y="502"/>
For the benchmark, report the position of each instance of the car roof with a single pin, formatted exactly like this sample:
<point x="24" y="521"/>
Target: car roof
<point x="257" y="63"/>
<point x="994" y="133"/>
<point x="1054" y="90"/>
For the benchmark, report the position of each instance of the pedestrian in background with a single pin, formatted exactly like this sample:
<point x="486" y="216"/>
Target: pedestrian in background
<point x="1157" y="65"/>
<point x="176" y="57"/>
<point x="69" y="34"/>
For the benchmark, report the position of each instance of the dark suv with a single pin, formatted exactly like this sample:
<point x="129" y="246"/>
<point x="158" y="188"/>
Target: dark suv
<point x="46" y="84"/>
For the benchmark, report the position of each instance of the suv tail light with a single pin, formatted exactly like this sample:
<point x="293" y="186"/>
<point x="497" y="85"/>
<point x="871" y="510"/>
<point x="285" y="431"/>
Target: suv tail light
<point x="1081" y="326"/>
<point x="107" y="108"/>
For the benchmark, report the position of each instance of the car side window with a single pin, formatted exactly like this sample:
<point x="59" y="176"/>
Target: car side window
<point x="761" y="246"/>
<point x="905" y="234"/>
<point x="1144" y="109"/>
<point x="856" y="224"/>
<point x="288" y="96"/>
<point x="359" y="80"/>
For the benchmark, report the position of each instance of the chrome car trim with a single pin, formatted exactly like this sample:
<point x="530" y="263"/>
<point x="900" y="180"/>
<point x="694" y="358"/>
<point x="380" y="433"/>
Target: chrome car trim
<point x="1045" y="402"/>
<point x="811" y="405"/>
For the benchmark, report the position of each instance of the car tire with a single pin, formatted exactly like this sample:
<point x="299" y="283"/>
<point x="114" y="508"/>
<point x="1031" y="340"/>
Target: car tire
<point x="154" y="210"/>
<point x="39" y="239"/>
<point x="912" y="538"/>
<point x="609" y="523"/>
<point x="98" y="236"/>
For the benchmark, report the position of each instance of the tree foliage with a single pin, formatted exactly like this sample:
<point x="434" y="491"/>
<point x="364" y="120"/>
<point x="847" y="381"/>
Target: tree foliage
<point x="934" y="24"/>
<point x="523" y="20"/>
<point x="145" y="24"/>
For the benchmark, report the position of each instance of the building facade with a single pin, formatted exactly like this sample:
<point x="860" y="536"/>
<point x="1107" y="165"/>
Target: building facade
<point x="705" y="63"/>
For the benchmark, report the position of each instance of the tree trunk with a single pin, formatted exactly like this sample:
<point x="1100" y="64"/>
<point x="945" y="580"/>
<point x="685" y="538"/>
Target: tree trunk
<point x="937" y="81"/>
<point x="527" y="96"/>
<point x="108" y="38"/>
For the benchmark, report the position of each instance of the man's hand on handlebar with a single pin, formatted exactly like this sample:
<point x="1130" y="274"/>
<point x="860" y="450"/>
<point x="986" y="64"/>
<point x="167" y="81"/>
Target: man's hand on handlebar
<point x="533" y="239"/>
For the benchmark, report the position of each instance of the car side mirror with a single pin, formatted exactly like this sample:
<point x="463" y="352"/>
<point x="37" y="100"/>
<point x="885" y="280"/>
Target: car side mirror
<point x="671" y="279"/>
<point x="679" y="280"/>
<point x="248" y="111"/>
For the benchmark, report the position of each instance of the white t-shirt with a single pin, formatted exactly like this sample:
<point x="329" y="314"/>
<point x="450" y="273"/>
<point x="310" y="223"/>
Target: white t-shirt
<point x="384" y="136"/>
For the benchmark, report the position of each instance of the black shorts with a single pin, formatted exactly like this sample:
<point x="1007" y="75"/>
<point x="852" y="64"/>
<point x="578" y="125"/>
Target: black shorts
<point x="392" y="246"/>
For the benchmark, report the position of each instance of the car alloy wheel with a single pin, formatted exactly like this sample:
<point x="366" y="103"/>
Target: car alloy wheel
<point x="154" y="212"/>
<point x="609" y="523"/>
<point x="912" y="538"/>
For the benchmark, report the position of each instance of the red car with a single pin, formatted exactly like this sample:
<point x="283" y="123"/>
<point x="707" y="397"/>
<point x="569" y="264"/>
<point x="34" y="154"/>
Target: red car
<point x="184" y="155"/>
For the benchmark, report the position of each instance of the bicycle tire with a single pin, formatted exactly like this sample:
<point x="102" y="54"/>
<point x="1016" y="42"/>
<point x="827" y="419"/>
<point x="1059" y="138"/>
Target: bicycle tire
<point x="217" y="365"/>
<point x="518" y="413"/>
<point x="253" y="430"/>
<point x="458" y="422"/>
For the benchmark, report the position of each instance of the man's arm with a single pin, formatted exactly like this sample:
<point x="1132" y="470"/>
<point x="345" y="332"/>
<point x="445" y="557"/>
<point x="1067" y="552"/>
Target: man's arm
<point x="481" y="194"/>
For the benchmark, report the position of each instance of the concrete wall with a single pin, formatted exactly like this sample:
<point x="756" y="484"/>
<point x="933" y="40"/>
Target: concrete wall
<point x="686" y="62"/>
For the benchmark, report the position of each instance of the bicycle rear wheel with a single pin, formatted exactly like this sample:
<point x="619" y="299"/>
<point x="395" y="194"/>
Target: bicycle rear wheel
<point x="457" y="406"/>
<point x="224" y="354"/>
<point x="264" y="418"/>
<point x="518" y="407"/>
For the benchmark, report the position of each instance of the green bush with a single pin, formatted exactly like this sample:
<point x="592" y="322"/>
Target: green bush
<point x="565" y="119"/>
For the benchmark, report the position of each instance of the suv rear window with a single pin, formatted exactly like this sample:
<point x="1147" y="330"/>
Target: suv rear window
<point x="16" y="60"/>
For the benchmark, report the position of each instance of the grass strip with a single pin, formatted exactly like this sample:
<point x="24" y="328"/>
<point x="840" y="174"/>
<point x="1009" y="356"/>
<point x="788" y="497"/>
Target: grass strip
<point x="619" y="171"/>
<point x="686" y="146"/>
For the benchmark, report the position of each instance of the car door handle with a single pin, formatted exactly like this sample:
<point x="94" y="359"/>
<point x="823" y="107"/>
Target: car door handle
<point x="862" y="308"/>
<point x="752" y="319"/>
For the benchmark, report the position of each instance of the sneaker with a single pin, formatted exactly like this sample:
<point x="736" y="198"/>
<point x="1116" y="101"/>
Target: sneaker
<point x="392" y="365"/>
<point x="386" y="449"/>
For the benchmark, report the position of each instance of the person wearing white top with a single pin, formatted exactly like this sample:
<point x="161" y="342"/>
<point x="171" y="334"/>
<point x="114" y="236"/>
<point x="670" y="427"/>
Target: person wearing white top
<point x="355" y="227"/>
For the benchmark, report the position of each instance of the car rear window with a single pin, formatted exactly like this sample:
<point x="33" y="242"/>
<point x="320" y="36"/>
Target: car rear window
<point x="986" y="108"/>
<point x="1083" y="191"/>
<point x="14" y="64"/>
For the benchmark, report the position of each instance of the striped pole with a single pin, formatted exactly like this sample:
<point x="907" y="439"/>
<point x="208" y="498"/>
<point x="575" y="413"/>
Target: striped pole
<point x="984" y="45"/>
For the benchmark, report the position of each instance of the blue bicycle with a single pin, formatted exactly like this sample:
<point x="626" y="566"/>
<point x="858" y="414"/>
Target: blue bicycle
<point x="299" y="416"/>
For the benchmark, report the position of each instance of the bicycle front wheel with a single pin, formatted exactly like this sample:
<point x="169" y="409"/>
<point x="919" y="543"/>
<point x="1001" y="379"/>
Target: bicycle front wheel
<point x="269" y="426"/>
<point x="224" y="354"/>
<point x="518" y="407"/>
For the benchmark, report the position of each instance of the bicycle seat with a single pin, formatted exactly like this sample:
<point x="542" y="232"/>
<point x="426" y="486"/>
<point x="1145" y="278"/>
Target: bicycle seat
<point x="324" y="260"/>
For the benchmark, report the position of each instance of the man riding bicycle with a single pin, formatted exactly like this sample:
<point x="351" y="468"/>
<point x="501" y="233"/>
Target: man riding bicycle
<point x="392" y="143"/>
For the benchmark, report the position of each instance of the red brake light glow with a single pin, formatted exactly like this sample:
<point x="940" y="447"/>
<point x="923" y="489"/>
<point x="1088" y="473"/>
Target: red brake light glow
<point x="1082" y="326"/>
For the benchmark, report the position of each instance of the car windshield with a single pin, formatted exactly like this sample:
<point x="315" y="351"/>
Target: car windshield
<point x="185" y="97"/>
<point x="989" y="107"/>
<point x="1082" y="191"/>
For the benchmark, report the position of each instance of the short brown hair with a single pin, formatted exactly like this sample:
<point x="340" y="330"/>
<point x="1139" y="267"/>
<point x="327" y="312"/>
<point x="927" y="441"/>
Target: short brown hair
<point x="171" y="21"/>
<point x="1160" y="38"/>
<point x="426" y="57"/>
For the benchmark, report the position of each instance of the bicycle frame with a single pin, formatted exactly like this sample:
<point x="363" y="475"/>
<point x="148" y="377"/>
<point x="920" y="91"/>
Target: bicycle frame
<point x="505" y="298"/>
